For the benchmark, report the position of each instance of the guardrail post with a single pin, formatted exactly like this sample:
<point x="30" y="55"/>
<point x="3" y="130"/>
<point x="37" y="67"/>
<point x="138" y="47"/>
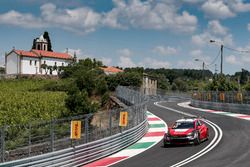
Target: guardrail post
<point x="3" y="143"/>
<point x="52" y="135"/>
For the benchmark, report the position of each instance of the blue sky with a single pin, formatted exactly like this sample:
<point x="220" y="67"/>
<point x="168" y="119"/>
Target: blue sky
<point x="129" y="33"/>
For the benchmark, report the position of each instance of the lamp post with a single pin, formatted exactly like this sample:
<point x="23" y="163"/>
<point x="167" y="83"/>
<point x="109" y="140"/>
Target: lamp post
<point x="221" y="56"/>
<point x="203" y="66"/>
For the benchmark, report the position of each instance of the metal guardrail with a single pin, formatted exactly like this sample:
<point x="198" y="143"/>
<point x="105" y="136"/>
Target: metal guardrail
<point x="231" y="101"/>
<point x="83" y="154"/>
<point x="90" y="147"/>
<point x="228" y="107"/>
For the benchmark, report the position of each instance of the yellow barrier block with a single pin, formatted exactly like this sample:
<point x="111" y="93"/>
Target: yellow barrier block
<point x="222" y="97"/>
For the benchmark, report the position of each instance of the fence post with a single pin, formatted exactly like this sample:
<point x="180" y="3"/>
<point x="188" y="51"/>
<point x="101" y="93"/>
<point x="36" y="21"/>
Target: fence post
<point x="3" y="143"/>
<point x="110" y="123"/>
<point x="29" y="139"/>
<point x="52" y="135"/>
<point x="86" y="129"/>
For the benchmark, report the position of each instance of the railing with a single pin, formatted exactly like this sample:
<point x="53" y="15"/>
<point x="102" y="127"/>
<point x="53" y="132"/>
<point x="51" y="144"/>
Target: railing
<point x="223" y="97"/>
<point x="101" y="135"/>
<point x="237" y="102"/>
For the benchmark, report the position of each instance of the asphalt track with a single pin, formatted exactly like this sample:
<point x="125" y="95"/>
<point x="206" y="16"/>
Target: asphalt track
<point x="232" y="151"/>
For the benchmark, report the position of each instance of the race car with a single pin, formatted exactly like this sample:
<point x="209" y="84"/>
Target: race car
<point x="186" y="131"/>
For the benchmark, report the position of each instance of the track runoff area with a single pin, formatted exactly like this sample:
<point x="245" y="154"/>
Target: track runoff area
<point x="156" y="131"/>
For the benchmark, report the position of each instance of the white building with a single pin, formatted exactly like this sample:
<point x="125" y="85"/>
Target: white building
<point x="31" y="62"/>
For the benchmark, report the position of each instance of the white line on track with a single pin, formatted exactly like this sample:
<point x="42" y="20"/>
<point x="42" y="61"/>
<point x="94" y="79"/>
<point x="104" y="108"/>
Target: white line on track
<point x="217" y="137"/>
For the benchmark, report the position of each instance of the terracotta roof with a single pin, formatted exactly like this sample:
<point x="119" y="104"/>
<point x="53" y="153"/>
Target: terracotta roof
<point x="42" y="53"/>
<point x="111" y="69"/>
<point x="52" y="54"/>
<point x="26" y="53"/>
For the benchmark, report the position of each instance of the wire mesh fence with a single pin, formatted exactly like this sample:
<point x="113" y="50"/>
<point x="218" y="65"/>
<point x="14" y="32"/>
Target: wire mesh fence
<point x="37" y="138"/>
<point x="223" y="97"/>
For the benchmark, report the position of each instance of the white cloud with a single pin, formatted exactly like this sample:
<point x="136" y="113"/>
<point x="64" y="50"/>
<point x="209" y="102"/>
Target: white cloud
<point x="196" y="53"/>
<point x="216" y="28"/>
<point x="188" y="65"/>
<point x="149" y="15"/>
<point x="153" y="63"/>
<point x="215" y="31"/>
<point x="25" y="20"/>
<point x="125" y="52"/>
<point x="106" y="61"/>
<point x="201" y="39"/>
<point x="165" y="50"/>
<point x="125" y="14"/>
<point x="217" y="9"/>
<point x="233" y="60"/>
<point x="193" y="1"/>
<point x="71" y="51"/>
<point x="125" y="61"/>
<point x="82" y="19"/>
<point x="239" y="6"/>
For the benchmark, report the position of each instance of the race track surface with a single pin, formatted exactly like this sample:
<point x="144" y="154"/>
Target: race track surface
<point x="233" y="149"/>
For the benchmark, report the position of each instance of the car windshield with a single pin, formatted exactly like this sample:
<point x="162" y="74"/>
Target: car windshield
<point x="183" y="125"/>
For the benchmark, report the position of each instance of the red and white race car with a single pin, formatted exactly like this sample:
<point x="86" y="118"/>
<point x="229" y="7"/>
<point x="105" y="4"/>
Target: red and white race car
<point x="186" y="131"/>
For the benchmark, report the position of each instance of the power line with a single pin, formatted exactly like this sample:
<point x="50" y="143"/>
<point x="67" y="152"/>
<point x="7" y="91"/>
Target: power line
<point x="236" y="50"/>
<point x="213" y="62"/>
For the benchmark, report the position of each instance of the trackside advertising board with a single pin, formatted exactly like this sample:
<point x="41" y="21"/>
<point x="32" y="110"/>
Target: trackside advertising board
<point x="123" y="118"/>
<point x="75" y="130"/>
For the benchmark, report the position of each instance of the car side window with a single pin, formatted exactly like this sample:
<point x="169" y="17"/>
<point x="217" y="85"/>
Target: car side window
<point x="198" y="123"/>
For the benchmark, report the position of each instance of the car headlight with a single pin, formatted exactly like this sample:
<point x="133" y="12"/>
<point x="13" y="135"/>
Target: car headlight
<point x="191" y="134"/>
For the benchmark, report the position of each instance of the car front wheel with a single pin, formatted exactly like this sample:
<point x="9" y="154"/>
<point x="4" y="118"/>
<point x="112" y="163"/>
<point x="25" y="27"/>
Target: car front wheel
<point x="197" y="140"/>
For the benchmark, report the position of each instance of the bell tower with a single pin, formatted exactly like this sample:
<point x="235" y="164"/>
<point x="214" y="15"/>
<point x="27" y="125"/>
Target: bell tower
<point x="41" y="43"/>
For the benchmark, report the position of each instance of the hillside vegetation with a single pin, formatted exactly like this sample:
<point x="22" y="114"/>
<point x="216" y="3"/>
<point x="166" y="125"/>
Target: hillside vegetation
<point x="23" y="101"/>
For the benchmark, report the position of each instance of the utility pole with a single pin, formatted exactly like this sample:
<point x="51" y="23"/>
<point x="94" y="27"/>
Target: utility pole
<point x="221" y="59"/>
<point x="203" y="66"/>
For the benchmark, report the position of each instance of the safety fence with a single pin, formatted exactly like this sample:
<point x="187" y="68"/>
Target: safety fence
<point x="161" y="94"/>
<point x="223" y="97"/>
<point x="50" y="142"/>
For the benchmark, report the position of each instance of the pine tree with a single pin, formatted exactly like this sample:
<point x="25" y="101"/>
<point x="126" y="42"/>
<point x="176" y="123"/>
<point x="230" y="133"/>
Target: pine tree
<point x="34" y="43"/>
<point x="46" y="36"/>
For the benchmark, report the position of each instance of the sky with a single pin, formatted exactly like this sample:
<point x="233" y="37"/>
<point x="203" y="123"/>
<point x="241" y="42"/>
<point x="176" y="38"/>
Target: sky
<point x="132" y="33"/>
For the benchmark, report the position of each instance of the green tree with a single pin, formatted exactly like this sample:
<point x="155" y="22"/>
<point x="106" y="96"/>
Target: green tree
<point x="45" y="67"/>
<point x="181" y="85"/>
<point x="79" y="103"/>
<point x="34" y="43"/>
<point x="221" y="83"/>
<point x="2" y="70"/>
<point x="46" y="36"/>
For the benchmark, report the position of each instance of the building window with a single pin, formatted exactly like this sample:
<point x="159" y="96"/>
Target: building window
<point x="30" y="62"/>
<point x="62" y="64"/>
<point x="35" y="62"/>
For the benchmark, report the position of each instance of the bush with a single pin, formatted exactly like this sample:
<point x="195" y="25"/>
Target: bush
<point x="105" y="99"/>
<point x="79" y="103"/>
